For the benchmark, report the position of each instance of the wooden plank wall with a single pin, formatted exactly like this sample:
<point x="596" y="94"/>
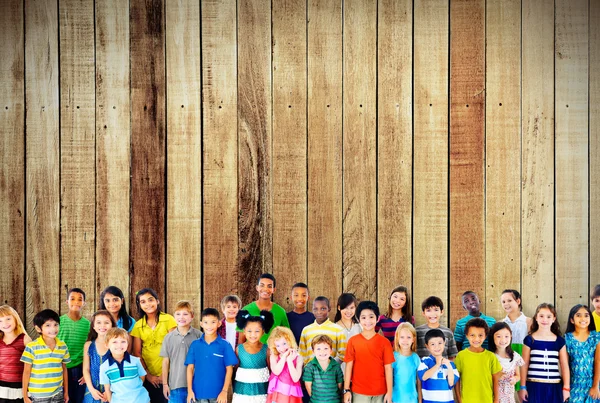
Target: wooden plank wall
<point x="354" y="145"/>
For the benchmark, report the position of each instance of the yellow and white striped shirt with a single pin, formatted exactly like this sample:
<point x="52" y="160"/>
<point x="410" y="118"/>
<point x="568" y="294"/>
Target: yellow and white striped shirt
<point x="335" y="332"/>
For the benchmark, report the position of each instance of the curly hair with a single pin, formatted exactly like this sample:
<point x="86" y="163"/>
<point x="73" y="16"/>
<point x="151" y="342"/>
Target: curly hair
<point x="265" y="319"/>
<point x="278" y="333"/>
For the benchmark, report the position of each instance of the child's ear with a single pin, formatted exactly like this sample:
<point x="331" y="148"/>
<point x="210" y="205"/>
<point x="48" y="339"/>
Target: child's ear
<point x="219" y="323"/>
<point x="37" y="329"/>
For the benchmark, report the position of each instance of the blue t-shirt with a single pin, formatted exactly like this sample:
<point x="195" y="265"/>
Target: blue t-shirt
<point x="299" y="321"/>
<point x="405" y="378"/>
<point x="124" y="379"/>
<point x="436" y="389"/>
<point x="210" y="366"/>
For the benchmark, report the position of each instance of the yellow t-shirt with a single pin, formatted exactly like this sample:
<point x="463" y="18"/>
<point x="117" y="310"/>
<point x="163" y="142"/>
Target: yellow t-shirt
<point x="476" y="370"/>
<point x="152" y="340"/>
<point x="596" y="320"/>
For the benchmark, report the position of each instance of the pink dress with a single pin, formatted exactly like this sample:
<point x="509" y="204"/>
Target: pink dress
<point x="282" y="388"/>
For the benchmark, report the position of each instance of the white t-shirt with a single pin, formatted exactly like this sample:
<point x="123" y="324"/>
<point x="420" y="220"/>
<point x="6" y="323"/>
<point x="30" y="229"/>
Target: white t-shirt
<point x="230" y="331"/>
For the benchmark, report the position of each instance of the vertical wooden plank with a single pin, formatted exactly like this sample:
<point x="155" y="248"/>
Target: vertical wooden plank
<point x="503" y="151"/>
<point x="42" y="158"/>
<point x="289" y="147"/>
<point x="325" y="147"/>
<point x="395" y="143"/>
<point x="184" y="153"/>
<point x="571" y="155"/>
<point x="537" y="205"/>
<point x="12" y="155"/>
<point x="219" y="105"/>
<point x="594" y="28"/>
<point x="360" y="148"/>
<point x="467" y="139"/>
<point x="430" y="227"/>
<point x="147" y="41"/>
<point x="77" y="148"/>
<point x="113" y="140"/>
<point x="255" y="222"/>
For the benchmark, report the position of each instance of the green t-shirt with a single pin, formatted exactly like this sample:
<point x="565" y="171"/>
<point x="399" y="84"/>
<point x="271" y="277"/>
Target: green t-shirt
<point x="74" y="334"/>
<point x="279" y="316"/>
<point x="476" y="370"/>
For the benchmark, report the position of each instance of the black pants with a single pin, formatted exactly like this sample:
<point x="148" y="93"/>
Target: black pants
<point x="76" y="391"/>
<point x="156" y="394"/>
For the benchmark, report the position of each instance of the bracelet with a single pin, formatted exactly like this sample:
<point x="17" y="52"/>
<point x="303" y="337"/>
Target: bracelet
<point x="523" y="387"/>
<point x="566" y="389"/>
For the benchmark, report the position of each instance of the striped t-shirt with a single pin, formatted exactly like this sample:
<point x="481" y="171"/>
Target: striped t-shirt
<point x="324" y="387"/>
<point x="335" y="332"/>
<point x="436" y="389"/>
<point x="543" y="359"/>
<point x="46" y="367"/>
<point x="74" y="333"/>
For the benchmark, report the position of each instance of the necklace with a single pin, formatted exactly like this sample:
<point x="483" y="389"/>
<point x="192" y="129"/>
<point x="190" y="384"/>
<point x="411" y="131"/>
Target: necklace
<point x="346" y="327"/>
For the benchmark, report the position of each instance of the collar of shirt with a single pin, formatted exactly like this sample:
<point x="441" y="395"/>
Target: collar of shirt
<point x="112" y="361"/>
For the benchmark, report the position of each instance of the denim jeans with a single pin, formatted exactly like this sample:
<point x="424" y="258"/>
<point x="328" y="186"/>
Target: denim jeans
<point x="178" y="395"/>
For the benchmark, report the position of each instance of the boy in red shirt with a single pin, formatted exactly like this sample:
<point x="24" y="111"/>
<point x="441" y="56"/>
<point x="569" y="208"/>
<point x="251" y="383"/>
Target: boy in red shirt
<point x="369" y="357"/>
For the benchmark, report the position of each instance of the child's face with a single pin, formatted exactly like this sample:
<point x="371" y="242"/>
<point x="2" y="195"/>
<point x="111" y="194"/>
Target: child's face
<point x="581" y="319"/>
<point x="253" y="332"/>
<point x="405" y="339"/>
<point x="183" y="317"/>
<point x="432" y="314"/>
<point x="471" y="304"/>
<point x="282" y="345"/>
<point x="299" y="297"/>
<point x="502" y="338"/>
<point x="210" y="324"/>
<point x="321" y="311"/>
<point x="117" y="346"/>
<point x="509" y="303"/>
<point x="367" y="319"/>
<point x="545" y="318"/>
<point x="322" y="351"/>
<point x="476" y="336"/>
<point x="7" y="324"/>
<point x="231" y="310"/>
<point x="112" y="303"/>
<point x="148" y="303"/>
<point x="102" y="324"/>
<point x="349" y="311"/>
<point x="265" y="289"/>
<point x="49" y="329"/>
<point x="75" y="302"/>
<point x="398" y="300"/>
<point x="436" y="345"/>
<point x="596" y="303"/>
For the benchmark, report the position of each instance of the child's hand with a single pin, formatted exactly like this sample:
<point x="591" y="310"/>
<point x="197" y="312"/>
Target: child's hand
<point x="594" y="392"/>
<point x="97" y="395"/>
<point x="387" y="398"/>
<point x="66" y="394"/>
<point x="566" y="395"/>
<point x="523" y="395"/>
<point x="26" y="398"/>
<point x="191" y="397"/>
<point x="222" y="398"/>
<point x="166" y="391"/>
<point x="347" y="397"/>
<point x="514" y="380"/>
<point x="292" y="355"/>
<point x="446" y="362"/>
<point x="439" y="360"/>
<point x="154" y="380"/>
<point x="81" y="380"/>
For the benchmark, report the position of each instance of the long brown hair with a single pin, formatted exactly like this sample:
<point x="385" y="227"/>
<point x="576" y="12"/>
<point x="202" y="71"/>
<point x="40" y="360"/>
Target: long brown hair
<point x="93" y="335"/>
<point x="555" y="328"/>
<point x="406" y="311"/>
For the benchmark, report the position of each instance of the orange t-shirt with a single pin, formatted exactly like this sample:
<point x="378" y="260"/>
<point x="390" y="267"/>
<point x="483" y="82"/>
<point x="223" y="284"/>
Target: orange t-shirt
<point x="370" y="357"/>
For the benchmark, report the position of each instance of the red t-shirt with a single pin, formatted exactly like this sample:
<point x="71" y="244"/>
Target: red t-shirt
<point x="370" y="357"/>
<point x="11" y="367"/>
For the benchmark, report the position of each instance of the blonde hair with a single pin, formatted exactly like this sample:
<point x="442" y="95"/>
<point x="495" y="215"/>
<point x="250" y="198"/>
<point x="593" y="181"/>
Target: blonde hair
<point x="405" y="326"/>
<point x="234" y="299"/>
<point x="6" y="310"/>
<point x="181" y="305"/>
<point x="278" y="333"/>
<point x="115" y="332"/>
<point x="321" y="339"/>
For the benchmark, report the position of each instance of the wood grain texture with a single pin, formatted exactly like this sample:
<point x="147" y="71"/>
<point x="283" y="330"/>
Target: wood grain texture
<point x="184" y="154"/>
<point x="571" y="155"/>
<point x="255" y="193"/>
<point x="537" y="211"/>
<point x="467" y="149"/>
<point x="430" y="161"/>
<point x="394" y="146"/>
<point x="12" y="155"/>
<point x="360" y="149"/>
<point x="219" y="105"/>
<point x="77" y="149"/>
<point x="325" y="147"/>
<point x="113" y="139"/>
<point x="594" y="143"/>
<point x="503" y="152"/>
<point x="148" y="188"/>
<point x="42" y="159"/>
<point x="289" y="147"/>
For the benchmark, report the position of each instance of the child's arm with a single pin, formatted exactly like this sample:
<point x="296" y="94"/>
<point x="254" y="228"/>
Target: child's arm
<point x="222" y="398"/>
<point x="96" y="394"/>
<point x="190" y="379"/>
<point x="388" y="383"/>
<point x="496" y="384"/>
<point x="165" y="377"/>
<point x="309" y="387"/>
<point x="65" y="382"/>
<point x="295" y="370"/>
<point x="526" y="355"/>
<point x="446" y="362"/>
<point x="419" y="391"/>
<point x="594" y="392"/>
<point x="347" y="380"/>
<point x="434" y="369"/>
<point x="107" y="392"/>
<point x="563" y="359"/>
<point x="25" y="382"/>
<point x="277" y="366"/>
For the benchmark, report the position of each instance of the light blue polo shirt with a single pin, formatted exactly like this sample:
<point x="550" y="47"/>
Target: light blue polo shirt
<point x="210" y="365"/>
<point x="124" y="379"/>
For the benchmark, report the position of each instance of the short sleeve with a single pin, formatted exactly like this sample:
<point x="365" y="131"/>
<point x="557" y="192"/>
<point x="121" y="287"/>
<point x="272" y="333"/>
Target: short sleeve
<point x="528" y="341"/>
<point x="230" y="358"/>
<point x="283" y="317"/>
<point x="66" y="357"/>
<point x="459" y="332"/>
<point x="339" y="374"/>
<point x="458" y="362"/>
<point x="190" y="357"/>
<point x="349" y="355"/>
<point x="518" y="359"/>
<point x="560" y="343"/>
<point x="308" y="373"/>
<point x="133" y="321"/>
<point x="170" y="323"/>
<point x="456" y="372"/>
<point x="164" y="348"/>
<point x="388" y="353"/>
<point x="416" y="360"/>
<point x="103" y="378"/>
<point x="422" y="368"/>
<point x="141" y="370"/>
<point x="495" y="364"/>
<point x="136" y="331"/>
<point x="27" y="356"/>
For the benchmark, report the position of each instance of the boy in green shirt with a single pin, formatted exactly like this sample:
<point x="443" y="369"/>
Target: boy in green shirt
<point x="323" y="375"/>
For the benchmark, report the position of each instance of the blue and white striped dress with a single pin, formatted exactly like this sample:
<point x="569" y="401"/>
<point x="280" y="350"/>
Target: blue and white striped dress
<point x="436" y="388"/>
<point x="544" y="383"/>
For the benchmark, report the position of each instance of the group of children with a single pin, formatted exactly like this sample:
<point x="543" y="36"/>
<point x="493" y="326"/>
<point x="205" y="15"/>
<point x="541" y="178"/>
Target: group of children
<point x="270" y="356"/>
